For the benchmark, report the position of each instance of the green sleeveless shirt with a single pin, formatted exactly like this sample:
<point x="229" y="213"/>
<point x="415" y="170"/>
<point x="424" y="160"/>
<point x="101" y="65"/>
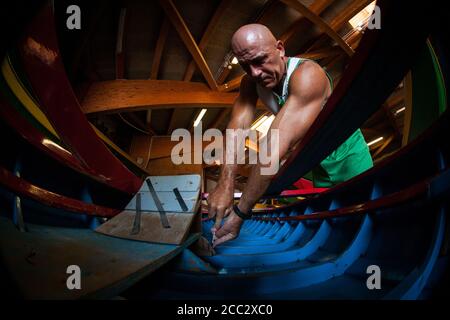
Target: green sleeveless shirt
<point x="348" y="160"/>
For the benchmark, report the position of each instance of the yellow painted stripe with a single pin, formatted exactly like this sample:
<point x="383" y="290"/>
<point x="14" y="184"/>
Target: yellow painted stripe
<point x="17" y="87"/>
<point x="28" y="102"/>
<point x="113" y="145"/>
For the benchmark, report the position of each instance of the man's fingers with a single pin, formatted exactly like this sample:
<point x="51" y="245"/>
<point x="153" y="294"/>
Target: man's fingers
<point x="222" y="232"/>
<point x="219" y="217"/>
<point x="228" y="211"/>
<point x="229" y="236"/>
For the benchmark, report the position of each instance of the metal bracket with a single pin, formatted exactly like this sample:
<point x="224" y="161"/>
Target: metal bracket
<point x="180" y="200"/>
<point x="137" y="219"/>
<point x="162" y="213"/>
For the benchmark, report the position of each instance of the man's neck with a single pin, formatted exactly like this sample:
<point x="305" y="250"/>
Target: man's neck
<point x="278" y="89"/>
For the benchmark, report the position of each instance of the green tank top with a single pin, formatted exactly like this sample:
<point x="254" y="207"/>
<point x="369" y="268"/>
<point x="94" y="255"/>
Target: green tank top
<point x="348" y="160"/>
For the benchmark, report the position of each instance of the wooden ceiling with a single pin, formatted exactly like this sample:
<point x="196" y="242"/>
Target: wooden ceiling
<point x="157" y="63"/>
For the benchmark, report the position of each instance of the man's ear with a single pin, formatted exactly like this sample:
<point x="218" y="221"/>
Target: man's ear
<point x="280" y="47"/>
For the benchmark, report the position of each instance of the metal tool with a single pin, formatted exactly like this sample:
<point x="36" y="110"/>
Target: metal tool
<point x="162" y="213"/>
<point x="137" y="219"/>
<point x="180" y="199"/>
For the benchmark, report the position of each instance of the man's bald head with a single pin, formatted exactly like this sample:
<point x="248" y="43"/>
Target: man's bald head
<point x="250" y="35"/>
<point x="260" y="54"/>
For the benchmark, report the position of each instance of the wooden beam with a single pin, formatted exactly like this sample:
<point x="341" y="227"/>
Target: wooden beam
<point x="133" y="95"/>
<point x="383" y="146"/>
<point x="185" y="35"/>
<point x="319" y="22"/>
<point x="160" y="48"/>
<point x="222" y="115"/>
<point x="317" y="7"/>
<point x="342" y="19"/>
<point x="120" y="55"/>
<point x="218" y="14"/>
<point x="320" y="54"/>
<point x="173" y="117"/>
<point x="232" y="84"/>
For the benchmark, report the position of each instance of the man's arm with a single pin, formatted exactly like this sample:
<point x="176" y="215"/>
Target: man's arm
<point x="220" y="200"/>
<point x="308" y="91"/>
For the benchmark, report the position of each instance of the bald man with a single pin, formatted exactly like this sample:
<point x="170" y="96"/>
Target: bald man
<point x="295" y="90"/>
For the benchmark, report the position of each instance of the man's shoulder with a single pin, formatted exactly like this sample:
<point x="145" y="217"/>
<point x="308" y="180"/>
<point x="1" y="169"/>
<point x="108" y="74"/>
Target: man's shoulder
<point x="309" y="77"/>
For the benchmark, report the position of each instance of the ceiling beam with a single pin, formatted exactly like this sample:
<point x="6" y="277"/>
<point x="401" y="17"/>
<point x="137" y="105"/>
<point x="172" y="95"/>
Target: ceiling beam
<point x="218" y="14"/>
<point x="317" y="7"/>
<point x="164" y="31"/>
<point x="188" y="40"/>
<point x="383" y="146"/>
<point x="320" y="23"/>
<point x="133" y="95"/>
<point x="120" y="55"/>
<point x="341" y="20"/>
<point x="222" y="115"/>
<point x="173" y="117"/>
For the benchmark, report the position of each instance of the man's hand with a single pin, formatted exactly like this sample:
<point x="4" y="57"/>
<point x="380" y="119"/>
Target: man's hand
<point x="220" y="203"/>
<point x="229" y="231"/>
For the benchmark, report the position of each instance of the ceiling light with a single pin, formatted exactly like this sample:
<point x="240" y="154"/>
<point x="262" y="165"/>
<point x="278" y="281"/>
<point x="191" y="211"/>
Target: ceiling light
<point x="199" y="117"/>
<point x="258" y="123"/>
<point x="375" y="141"/>
<point x="400" y="110"/>
<point x="265" y="125"/>
<point x="361" y="19"/>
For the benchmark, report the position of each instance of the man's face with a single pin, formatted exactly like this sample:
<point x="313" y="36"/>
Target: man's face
<point x="262" y="62"/>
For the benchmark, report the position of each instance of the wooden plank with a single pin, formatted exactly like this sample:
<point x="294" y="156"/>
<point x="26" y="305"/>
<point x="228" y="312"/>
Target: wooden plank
<point x="151" y="229"/>
<point x="187" y="185"/>
<point x="185" y="35"/>
<point x="121" y="95"/>
<point x="140" y="149"/>
<point x="37" y="260"/>
<point x="319" y="22"/>
<point x="21" y="187"/>
<point x="218" y="14"/>
<point x="159" y="48"/>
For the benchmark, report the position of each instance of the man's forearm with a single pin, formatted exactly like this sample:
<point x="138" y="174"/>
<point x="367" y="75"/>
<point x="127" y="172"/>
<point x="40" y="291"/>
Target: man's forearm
<point x="228" y="174"/>
<point x="257" y="184"/>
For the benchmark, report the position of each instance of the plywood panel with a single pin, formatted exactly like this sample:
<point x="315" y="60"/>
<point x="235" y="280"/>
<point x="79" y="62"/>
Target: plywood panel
<point x="37" y="260"/>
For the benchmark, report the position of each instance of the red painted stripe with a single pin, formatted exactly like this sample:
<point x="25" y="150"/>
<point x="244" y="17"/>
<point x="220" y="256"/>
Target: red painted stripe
<point x="391" y="200"/>
<point x="41" y="142"/>
<point x="26" y="189"/>
<point x="43" y="65"/>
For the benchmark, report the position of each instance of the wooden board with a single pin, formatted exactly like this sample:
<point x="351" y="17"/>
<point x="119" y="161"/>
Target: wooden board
<point x="37" y="261"/>
<point x="187" y="185"/>
<point x="151" y="227"/>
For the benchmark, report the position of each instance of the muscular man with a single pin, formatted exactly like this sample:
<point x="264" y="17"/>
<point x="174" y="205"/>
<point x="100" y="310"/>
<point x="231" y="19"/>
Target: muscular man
<point x="295" y="90"/>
